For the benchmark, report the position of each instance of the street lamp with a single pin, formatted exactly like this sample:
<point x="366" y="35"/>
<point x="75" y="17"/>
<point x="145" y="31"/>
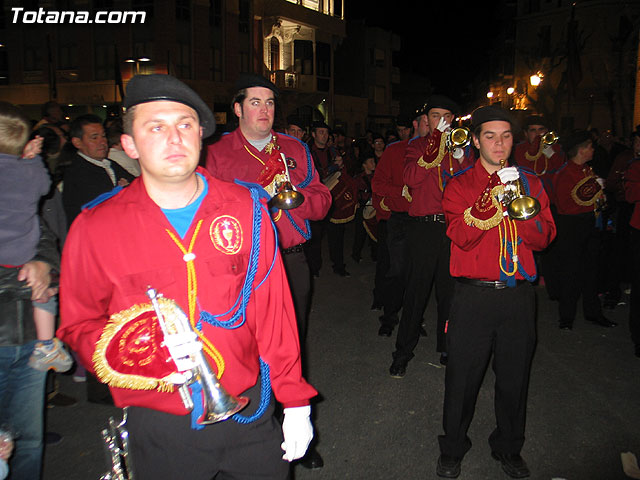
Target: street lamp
<point x="535" y="79"/>
<point x="489" y="94"/>
<point x="137" y="62"/>
<point x="510" y="90"/>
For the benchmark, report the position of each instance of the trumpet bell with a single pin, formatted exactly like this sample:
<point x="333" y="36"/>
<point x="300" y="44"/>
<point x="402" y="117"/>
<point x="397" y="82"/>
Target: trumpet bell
<point x="523" y="208"/>
<point x="460" y="137"/>
<point x="219" y="404"/>
<point x="550" y="138"/>
<point x="287" y="198"/>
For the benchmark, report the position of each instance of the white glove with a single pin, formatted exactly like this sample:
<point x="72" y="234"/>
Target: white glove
<point x="508" y="174"/>
<point x="600" y="181"/>
<point x="183" y="348"/>
<point x="547" y="151"/>
<point x="442" y="125"/>
<point x="297" y="431"/>
<point x="458" y="153"/>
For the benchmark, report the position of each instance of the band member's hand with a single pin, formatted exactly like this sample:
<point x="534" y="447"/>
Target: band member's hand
<point x="547" y="151"/>
<point x="33" y="147"/>
<point x="183" y="347"/>
<point x="601" y="182"/>
<point x="508" y="174"/>
<point x="38" y="277"/>
<point x="443" y="125"/>
<point x="297" y="431"/>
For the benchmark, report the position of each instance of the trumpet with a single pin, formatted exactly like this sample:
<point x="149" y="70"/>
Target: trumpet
<point x="286" y="196"/>
<point x="116" y="442"/>
<point x="519" y="206"/>
<point x="218" y="403"/>
<point x="549" y="138"/>
<point x="458" y="137"/>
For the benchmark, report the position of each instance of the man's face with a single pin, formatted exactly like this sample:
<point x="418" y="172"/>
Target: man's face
<point x="166" y="139"/>
<point x="534" y="131"/>
<point x="256" y="113"/>
<point x="295" y="131"/>
<point x="421" y="126"/>
<point x="403" y="132"/>
<point x="435" y="114"/>
<point x="494" y="142"/>
<point x="93" y="142"/>
<point x="585" y="153"/>
<point x="320" y="136"/>
<point x="369" y="165"/>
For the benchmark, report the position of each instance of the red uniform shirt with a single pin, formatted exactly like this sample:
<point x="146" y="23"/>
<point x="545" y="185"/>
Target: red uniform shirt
<point x="530" y="157"/>
<point x="476" y="253"/>
<point x="577" y="190"/>
<point x="632" y="191"/>
<point x="388" y="182"/>
<point x="115" y="250"/>
<point x="428" y="166"/>
<point x="233" y="157"/>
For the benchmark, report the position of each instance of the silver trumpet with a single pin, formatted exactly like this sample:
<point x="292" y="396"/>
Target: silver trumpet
<point x="286" y="196"/>
<point x="219" y="404"/>
<point x="116" y="442"/>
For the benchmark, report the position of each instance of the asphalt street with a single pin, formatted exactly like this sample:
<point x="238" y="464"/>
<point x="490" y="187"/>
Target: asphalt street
<point x="583" y="409"/>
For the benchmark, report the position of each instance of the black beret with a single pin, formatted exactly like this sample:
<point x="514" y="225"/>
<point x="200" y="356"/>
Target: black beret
<point x="151" y="88"/>
<point x="319" y="124"/>
<point x="404" y="121"/>
<point x="440" y="101"/>
<point x="576" y="138"/>
<point x="535" y="120"/>
<point x="248" y="80"/>
<point x="490" y="113"/>
<point x="295" y="120"/>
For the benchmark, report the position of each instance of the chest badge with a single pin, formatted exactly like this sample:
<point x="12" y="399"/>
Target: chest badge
<point x="226" y="234"/>
<point x="291" y="163"/>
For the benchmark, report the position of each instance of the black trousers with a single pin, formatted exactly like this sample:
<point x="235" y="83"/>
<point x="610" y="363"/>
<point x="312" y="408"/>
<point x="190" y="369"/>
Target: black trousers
<point x="299" y="277"/>
<point x="576" y="249"/>
<point x="313" y="247"/>
<point x="427" y="263"/>
<point x="163" y="446"/>
<point x="335" y="235"/>
<point x="395" y="250"/>
<point x="486" y="322"/>
<point x="634" y="307"/>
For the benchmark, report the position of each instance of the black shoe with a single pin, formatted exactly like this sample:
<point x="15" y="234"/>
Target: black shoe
<point x="398" y="368"/>
<point x="385" y="330"/>
<point x="342" y="272"/>
<point x="356" y="258"/>
<point x="448" y="466"/>
<point x="512" y="464"/>
<point x="52" y="438"/>
<point x="444" y="358"/>
<point x="423" y="332"/>
<point x="602" y="321"/>
<point x="376" y="306"/>
<point x="312" y="459"/>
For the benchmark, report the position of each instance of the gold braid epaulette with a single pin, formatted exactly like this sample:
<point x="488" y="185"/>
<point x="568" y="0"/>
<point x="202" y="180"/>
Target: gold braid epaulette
<point x="492" y="221"/>
<point x="533" y="158"/>
<point x="439" y="158"/>
<point x="113" y="378"/>
<point x="406" y="194"/>
<point x="383" y="206"/>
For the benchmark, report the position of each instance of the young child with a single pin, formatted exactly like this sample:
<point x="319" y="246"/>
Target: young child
<point x="23" y="180"/>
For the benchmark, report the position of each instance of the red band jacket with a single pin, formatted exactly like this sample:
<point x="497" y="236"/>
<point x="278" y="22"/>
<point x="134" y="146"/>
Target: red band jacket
<point x="576" y="189"/>
<point x="119" y="248"/>
<point x="233" y="157"/>
<point x="428" y="166"/>
<point x="480" y="253"/>
<point x="388" y="182"/>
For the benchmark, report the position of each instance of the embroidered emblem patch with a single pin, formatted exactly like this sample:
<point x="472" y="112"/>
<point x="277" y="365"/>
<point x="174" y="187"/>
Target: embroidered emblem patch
<point x="291" y="163"/>
<point x="226" y="234"/>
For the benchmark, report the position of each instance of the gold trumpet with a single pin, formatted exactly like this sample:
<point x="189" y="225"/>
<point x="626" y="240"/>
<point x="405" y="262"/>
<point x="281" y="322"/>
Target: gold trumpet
<point x="519" y="206"/>
<point x="286" y="196"/>
<point x="458" y="137"/>
<point x="549" y="138"/>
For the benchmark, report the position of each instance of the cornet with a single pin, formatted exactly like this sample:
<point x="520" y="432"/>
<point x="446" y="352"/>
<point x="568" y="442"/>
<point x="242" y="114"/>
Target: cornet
<point x="549" y="138"/>
<point x="286" y="197"/>
<point x="519" y="206"/>
<point x="219" y="404"/>
<point x="458" y="137"/>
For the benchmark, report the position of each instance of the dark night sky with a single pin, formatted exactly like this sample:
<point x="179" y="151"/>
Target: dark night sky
<point x="445" y="40"/>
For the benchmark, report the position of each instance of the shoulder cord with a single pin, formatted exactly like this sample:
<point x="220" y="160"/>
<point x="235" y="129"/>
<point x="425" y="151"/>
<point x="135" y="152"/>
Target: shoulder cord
<point x="238" y="310"/>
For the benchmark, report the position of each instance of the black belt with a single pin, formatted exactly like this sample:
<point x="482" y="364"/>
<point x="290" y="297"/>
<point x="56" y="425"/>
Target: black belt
<point x="294" y="249"/>
<point x="438" y="217"/>
<point x="497" y="284"/>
